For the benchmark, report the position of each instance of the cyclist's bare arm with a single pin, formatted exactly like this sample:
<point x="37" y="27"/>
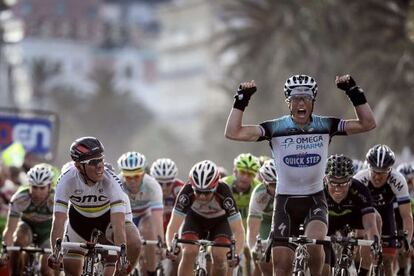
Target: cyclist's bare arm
<point x="407" y="218"/>
<point x="237" y="229"/>
<point x="253" y="228"/>
<point x="235" y="130"/>
<point x="365" y="120"/>
<point x="118" y="226"/>
<point x="369" y="222"/>
<point x="58" y="227"/>
<point x="173" y="226"/>
<point x="11" y="226"/>
<point x="157" y="220"/>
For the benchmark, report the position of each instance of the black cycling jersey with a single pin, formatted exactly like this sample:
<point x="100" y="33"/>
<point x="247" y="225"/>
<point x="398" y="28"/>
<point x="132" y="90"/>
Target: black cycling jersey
<point x="351" y="209"/>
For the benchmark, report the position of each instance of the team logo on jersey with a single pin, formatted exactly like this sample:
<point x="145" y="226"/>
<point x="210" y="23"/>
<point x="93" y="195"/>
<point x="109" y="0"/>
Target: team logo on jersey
<point x="88" y="198"/>
<point x="288" y="142"/>
<point x="228" y="203"/>
<point x="302" y="160"/>
<point x="183" y="200"/>
<point x="303" y="142"/>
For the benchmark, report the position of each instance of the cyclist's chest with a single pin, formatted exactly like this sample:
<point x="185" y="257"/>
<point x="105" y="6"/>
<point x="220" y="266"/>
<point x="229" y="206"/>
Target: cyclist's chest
<point x="382" y="196"/>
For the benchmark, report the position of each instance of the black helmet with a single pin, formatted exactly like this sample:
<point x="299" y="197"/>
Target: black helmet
<point x="84" y="148"/>
<point x="339" y="166"/>
<point x="380" y="157"/>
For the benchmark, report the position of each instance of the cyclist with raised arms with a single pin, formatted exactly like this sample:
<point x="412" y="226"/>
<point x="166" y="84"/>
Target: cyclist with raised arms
<point x="89" y="192"/>
<point x="349" y="203"/>
<point x="386" y="185"/>
<point x="30" y="216"/>
<point x="299" y="144"/>
<point x="145" y="195"/>
<point x="208" y="210"/>
<point x="259" y="220"/>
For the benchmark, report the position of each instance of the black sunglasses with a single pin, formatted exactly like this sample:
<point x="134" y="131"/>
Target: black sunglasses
<point x="203" y="192"/>
<point x="93" y="162"/>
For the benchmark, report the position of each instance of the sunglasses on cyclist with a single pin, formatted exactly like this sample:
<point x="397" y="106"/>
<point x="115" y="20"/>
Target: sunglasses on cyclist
<point x="205" y="193"/>
<point x="383" y="172"/>
<point x="298" y="98"/>
<point x="339" y="184"/>
<point x="93" y="162"/>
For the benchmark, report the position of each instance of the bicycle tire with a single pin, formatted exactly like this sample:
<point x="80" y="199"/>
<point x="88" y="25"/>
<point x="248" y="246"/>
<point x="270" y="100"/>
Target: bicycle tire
<point x="160" y="272"/>
<point x="299" y="273"/>
<point x="201" y="272"/>
<point x="344" y="272"/>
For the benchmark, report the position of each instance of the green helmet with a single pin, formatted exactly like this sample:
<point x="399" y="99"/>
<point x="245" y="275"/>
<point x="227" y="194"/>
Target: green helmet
<point x="247" y="162"/>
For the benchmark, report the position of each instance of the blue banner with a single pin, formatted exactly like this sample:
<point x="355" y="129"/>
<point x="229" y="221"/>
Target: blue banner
<point x="36" y="131"/>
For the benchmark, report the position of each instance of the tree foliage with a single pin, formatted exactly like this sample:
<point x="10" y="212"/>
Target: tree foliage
<point x="368" y="39"/>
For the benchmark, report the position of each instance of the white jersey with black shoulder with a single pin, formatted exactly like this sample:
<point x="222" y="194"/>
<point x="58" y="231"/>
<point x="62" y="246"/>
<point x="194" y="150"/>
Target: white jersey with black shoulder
<point x="89" y="201"/>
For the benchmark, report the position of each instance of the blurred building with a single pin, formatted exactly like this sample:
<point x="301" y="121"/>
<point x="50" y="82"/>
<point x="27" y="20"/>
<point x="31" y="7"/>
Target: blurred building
<point x="78" y="37"/>
<point x="187" y="65"/>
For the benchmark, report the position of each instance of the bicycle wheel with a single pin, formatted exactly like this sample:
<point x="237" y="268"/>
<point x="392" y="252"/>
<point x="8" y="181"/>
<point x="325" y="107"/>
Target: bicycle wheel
<point x="299" y="273"/>
<point x="160" y="271"/>
<point x="344" y="272"/>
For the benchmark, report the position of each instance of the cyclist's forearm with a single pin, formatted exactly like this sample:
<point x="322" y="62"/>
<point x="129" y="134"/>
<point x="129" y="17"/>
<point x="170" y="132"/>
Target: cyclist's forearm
<point x="9" y="230"/>
<point x="58" y="225"/>
<point x="238" y="231"/>
<point x="118" y="226"/>
<point x="253" y="227"/>
<point x="158" y="222"/>
<point x="407" y="219"/>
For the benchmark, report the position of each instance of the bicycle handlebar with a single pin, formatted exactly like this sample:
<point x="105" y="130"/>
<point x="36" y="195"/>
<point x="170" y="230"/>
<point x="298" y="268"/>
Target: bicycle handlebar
<point x="29" y="249"/>
<point x="89" y="245"/>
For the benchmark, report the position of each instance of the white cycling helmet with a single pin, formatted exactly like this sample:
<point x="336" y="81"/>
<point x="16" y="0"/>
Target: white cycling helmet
<point x="132" y="162"/>
<point x="268" y="172"/>
<point x="40" y="175"/>
<point x="164" y="170"/>
<point x="300" y="81"/>
<point x="204" y="176"/>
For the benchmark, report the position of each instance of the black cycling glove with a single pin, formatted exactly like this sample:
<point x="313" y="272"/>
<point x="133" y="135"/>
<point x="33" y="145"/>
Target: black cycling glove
<point x="354" y="92"/>
<point x="242" y="97"/>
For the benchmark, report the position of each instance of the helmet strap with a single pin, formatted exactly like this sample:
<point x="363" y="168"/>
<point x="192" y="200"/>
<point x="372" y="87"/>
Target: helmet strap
<point x="85" y="175"/>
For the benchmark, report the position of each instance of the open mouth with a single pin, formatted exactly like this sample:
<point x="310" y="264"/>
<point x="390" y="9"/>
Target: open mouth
<point x="301" y="112"/>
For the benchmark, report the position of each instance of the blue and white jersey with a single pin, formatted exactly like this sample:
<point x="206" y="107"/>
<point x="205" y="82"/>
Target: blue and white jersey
<point x="147" y="199"/>
<point x="300" y="154"/>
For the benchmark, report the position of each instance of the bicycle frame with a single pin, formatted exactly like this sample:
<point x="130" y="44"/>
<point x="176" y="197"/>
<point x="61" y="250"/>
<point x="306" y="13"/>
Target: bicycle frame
<point x="33" y="256"/>
<point x="347" y="244"/>
<point x="93" y="253"/>
<point x="201" y="260"/>
<point x="160" y="245"/>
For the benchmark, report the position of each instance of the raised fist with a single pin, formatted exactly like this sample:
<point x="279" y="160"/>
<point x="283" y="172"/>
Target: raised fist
<point x="345" y="82"/>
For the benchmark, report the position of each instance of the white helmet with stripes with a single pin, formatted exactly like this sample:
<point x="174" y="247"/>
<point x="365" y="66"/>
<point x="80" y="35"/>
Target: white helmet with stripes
<point x="164" y="170"/>
<point x="204" y="176"/>
<point x="40" y="175"/>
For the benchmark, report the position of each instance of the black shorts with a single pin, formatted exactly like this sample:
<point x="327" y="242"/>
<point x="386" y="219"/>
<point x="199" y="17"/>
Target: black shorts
<point x="84" y="226"/>
<point x="200" y="227"/>
<point x="337" y="223"/>
<point x="291" y="211"/>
